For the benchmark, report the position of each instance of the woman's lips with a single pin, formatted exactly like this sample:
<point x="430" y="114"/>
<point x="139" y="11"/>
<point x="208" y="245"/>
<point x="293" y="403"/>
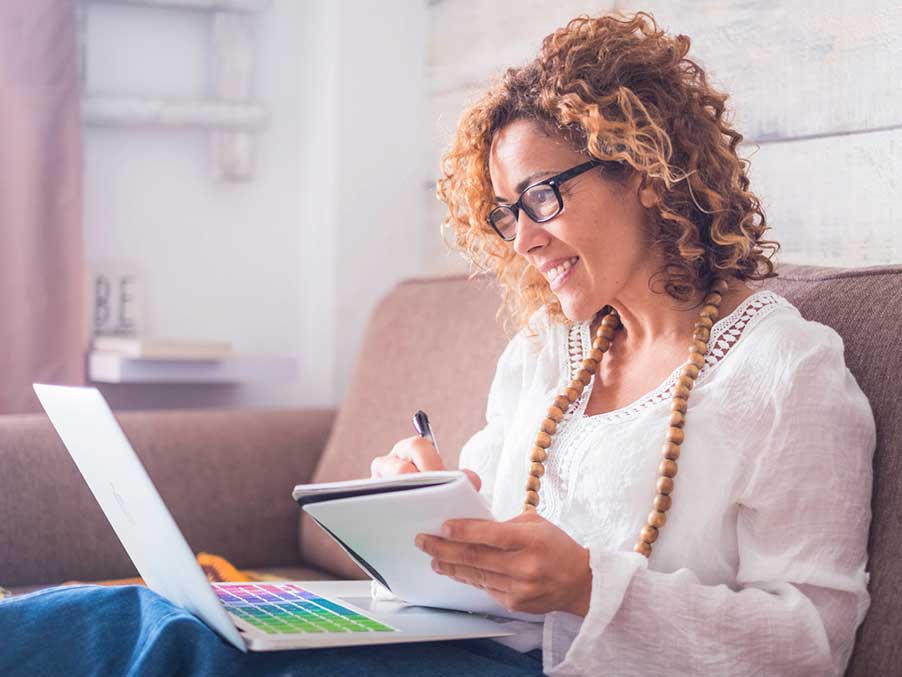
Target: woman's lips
<point x="562" y="279"/>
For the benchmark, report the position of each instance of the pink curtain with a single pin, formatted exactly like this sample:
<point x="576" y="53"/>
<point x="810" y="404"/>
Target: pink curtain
<point x="40" y="201"/>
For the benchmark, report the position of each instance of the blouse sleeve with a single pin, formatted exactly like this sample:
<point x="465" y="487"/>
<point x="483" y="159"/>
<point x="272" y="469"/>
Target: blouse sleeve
<point x="482" y="452"/>
<point x="802" y="528"/>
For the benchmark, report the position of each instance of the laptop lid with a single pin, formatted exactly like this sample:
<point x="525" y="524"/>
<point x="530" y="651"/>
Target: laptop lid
<point x="132" y="504"/>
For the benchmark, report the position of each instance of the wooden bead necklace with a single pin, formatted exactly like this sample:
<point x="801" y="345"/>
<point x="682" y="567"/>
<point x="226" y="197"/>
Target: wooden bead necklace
<point x="667" y="469"/>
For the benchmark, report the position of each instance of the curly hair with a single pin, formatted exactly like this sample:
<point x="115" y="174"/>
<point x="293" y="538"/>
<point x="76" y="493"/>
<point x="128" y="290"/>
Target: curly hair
<point x="617" y="89"/>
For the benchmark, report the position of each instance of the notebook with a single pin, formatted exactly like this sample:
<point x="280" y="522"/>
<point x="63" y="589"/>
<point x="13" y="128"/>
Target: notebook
<point x="376" y="521"/>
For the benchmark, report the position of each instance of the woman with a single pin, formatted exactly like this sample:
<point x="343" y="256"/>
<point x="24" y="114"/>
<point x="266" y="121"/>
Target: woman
<point x="602" y="185"/>
<point x="601" y="176"/>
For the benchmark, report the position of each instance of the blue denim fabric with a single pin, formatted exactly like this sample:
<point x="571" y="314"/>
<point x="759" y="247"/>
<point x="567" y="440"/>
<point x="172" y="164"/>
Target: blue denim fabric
<point x="130" y="630"/>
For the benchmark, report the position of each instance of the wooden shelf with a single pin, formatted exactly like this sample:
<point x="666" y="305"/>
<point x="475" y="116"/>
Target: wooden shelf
<point x="114" y="368"/>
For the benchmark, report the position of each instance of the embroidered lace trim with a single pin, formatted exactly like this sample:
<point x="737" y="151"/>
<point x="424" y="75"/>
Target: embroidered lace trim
<point x="725" y="334"/>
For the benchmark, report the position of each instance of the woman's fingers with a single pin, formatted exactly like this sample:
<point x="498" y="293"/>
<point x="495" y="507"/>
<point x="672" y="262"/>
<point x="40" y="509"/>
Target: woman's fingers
<point x="465" y="554"/>
<point x="420" y="451"/>
<point x="504" y="535"/>
<point x="385" y="466"/>
<point x="481" y="578"/>
<point x="474" y="478"/>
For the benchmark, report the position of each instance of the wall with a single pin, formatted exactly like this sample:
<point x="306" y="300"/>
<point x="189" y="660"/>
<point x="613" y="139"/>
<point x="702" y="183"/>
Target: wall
<point x="813" y="89"/>
<point x="291" y="263"/>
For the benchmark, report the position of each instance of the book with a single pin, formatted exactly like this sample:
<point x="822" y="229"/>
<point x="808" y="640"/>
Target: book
<point x="163" y="349"/>
<point x="376" y="521"/>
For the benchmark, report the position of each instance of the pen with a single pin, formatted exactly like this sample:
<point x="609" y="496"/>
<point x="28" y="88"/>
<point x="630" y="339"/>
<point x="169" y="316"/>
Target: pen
<point x="421" y="423"/>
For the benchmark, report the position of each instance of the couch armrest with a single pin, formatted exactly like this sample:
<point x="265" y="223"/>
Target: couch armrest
<point x="226" y="476"/>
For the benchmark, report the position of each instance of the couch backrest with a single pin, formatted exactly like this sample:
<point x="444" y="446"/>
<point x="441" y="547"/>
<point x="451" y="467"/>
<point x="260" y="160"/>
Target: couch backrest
<point x="432" y="344"/>
<point x="864" y="306"/>
<point x="226" y="477"/>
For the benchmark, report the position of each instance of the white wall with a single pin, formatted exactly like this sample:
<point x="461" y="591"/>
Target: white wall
<point x="291" y="263"/>
<point x="812" y="87"/>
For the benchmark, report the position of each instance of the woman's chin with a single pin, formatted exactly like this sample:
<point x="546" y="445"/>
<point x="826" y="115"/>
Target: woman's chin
<point x="576" y="311"/>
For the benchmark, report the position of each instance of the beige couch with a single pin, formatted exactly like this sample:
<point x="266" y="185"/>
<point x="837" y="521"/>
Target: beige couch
<point x="431" y="345"/>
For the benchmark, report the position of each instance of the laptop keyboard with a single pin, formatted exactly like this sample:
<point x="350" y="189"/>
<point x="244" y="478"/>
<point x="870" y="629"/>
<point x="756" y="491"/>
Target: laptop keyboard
<point x="288" y="608"/>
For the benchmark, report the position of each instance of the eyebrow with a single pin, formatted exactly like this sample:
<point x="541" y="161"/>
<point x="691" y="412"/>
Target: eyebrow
<point x="527" y="181"/>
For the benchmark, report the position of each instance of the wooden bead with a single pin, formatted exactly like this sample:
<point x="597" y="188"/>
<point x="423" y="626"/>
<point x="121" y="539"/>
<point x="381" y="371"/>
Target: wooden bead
<point x="713" y="299"/>
<point x="596" y="355"/>
<point x="532" y="497"/>
<point x="698" y="346"/>
<point x="657" y="519"/>
<point x="589" y="365"/>
<point x="584" y="376"/>
<point x="686" y="382"/>
<point x="663" y="502"/>
<point x="720" y="285"/>
<point x="571" y="393"/>
<point x="549" y="426"/>
<point x="675" y="435"/>
<point x="528" y="507"/>
<point x="664" y="485"/>
<point x="611" y="320"/>
<point x="671" y="451"/>
<point x="642" y="548"/>
<point x="605" y="331"/>
<point x="667" y="468"/>
<point x="697" y="360"/>
<point x="537" y="469"/>
<point x="679" y="405"/>
<point x="538" y="455"/>
<point x="561" y="402"/>
<point x="701" y="334"/>
<point x="677" y="419"/>
<point x="648" y="534"/>
<point x="543" y="440"/>
<point x="577" y="385"/>
<point x="704" y="323"/>
<point x="533" y="483"/>
<point x="555" y="413"/>
<point x="601" y="344"/>
<point x="681" y="391"/>
<point x="709" y="311"/>
<point x="689" y="370"/>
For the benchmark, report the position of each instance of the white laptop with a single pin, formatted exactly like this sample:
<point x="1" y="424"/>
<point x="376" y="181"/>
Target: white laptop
<point x="256" y="616"/>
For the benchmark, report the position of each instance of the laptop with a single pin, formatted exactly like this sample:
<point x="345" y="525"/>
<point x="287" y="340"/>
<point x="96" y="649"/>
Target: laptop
<point x="264" y="616"/>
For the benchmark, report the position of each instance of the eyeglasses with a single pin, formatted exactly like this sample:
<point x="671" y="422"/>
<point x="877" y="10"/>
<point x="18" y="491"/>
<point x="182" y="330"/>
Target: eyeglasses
<point x="541" y="201"/>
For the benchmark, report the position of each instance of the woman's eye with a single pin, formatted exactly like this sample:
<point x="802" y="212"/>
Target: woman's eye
<point x="541" y="195"/>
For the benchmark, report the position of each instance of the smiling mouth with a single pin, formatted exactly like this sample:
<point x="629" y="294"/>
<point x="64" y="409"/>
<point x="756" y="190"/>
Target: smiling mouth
<point x="558" y="273"/>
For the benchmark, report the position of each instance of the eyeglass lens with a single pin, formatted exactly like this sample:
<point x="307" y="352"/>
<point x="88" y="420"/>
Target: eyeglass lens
<point x="539" y="202"/>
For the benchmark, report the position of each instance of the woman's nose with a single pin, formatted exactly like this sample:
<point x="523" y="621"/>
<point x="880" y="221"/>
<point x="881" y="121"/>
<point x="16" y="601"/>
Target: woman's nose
<point x="529" y="234"/>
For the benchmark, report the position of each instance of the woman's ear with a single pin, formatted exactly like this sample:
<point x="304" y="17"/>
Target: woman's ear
<point x="648" y="196"/>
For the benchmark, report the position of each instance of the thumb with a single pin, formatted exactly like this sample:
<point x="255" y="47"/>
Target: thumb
<point x="474" y="478"/>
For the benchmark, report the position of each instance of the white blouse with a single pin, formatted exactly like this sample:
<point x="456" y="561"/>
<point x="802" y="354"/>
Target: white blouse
<point x="760" y="569"/>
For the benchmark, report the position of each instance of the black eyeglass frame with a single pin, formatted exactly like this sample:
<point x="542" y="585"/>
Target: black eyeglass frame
<point x="555" y="182"/>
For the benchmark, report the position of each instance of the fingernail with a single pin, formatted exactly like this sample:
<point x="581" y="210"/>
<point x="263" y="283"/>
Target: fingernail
<point x="419" y="541"/>
<point x="446" y="530"/>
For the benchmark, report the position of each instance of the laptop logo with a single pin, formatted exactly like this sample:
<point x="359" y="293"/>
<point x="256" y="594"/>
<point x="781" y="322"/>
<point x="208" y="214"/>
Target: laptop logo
<point x="121" y="502"/>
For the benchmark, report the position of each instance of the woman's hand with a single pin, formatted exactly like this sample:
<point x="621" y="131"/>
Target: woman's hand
<point x="527" y="563"/>
<point x="413" y="454"/>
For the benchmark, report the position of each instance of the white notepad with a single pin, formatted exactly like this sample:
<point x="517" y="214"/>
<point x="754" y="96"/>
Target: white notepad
<point x="377" y="520"/>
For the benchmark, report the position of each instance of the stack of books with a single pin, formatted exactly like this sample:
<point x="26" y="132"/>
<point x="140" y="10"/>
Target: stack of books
<point x="163" y="349"/>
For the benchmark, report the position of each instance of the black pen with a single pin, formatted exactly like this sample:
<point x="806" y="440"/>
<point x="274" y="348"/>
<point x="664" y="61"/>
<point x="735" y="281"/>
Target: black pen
<point x="421" y="423"/>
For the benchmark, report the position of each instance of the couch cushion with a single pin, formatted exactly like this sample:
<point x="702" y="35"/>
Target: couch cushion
<point x="431" y="345"/>
<point x="226" y="476"/>
<point x="864" y="305"/>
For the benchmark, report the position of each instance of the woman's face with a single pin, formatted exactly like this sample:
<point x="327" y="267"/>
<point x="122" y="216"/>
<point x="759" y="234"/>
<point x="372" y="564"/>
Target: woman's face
<point x="600" y="233"/>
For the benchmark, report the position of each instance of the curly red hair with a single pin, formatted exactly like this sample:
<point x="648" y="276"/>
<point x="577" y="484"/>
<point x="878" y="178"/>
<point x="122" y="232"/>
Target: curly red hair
<point x="618" y="89"/>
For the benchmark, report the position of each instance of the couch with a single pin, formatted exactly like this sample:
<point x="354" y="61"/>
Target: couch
<point x="430" y="344"/>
